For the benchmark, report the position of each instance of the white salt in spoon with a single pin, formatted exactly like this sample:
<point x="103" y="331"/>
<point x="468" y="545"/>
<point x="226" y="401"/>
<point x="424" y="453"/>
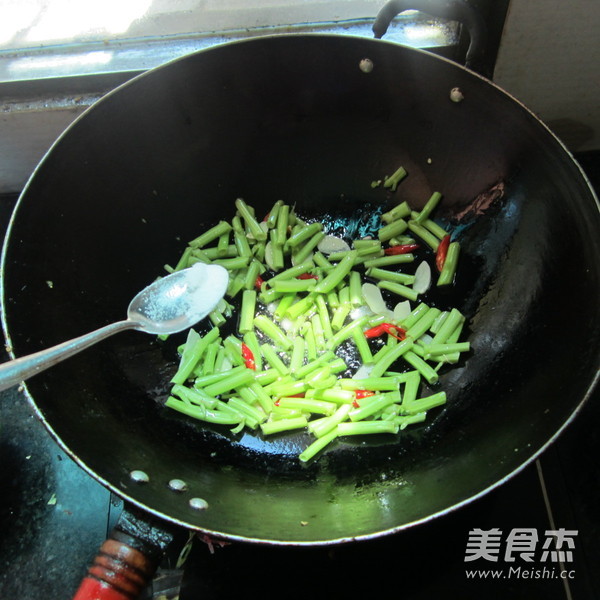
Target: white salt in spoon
<point x="169" y="305"/>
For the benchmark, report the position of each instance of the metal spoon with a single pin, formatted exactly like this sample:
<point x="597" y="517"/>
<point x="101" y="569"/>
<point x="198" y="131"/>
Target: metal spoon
<point x="169" y="305"/>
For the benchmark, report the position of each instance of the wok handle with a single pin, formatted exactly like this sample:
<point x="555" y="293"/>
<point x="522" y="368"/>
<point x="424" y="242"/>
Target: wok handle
<point x="127" y="560"/>
<point x="15" y="371"/>
<point x="453" y="10"/>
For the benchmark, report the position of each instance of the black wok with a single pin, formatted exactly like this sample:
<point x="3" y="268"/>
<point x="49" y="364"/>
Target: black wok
<point x="154" y="163"/>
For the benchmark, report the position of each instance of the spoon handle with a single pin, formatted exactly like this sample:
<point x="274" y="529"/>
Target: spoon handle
<point x="15" y="371"/>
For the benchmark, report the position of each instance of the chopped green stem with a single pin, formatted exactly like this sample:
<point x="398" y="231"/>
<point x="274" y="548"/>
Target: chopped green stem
<point x="362" y="346"/>
<point x="241" y="244"/>
<point x="339" y="315"/>
<point x="251" y="340"/>
<point x="297" y="358"/>
<point x="416" y="330"/>
<point x="400" y="211"/>
<point x="414" y="316"/>
<point x="317" y="328"/>
<point x="273" y="331"/>
<point x="183" y="261"/>
<point x="453" y="320"/>
<point x="385" y="261"/>
<point x="217" y="318"/>
<point x="323" y="313"/>
<point x="262" y="397"/>
<point x="371" y="383"/>
<point x="449" y="269"/>
<point x="431" y="240"/>
<point x="337" y="274"/>
<point x="304" y="252"/>
<point x="321" y="427"/>
<point x="231" y="382"/>
<point x="385" y="275"/>
<point x="432" y="226"/>
<point x="299" y="269"/>
<point x="429" y="207"/>
<point x="332" y="300"/>
<point x="267" y="377"/>
<point x="271" y="427"/>
<point x="301" y="307"/>
<point x="373" y="405"/>
<point x="210" y="355"/>
<point x="247" y="311"/>
<point x="273" y="359"/>
<point x="320" y="379"/>
<point x="332" y="395"/>
<point x="309" y="405"/>
<point x="289" y="388"/>
<point x="251" y="222"/>
<point x="311" y="343"/>
<point x="433" y="350"/>
<point x="247" y="409"/>
<point x="272" y="218"/>
<point x="411" y="387"/>
<point x="205" y="380"/>
<point x="453" y="338"/>
<point x="317" y="446"/>
<point x="303" y="234"/>
<point x="355" y="286"/>
<point x="322" y="261"/>
<point x="192" y="352"/>
<point x="435" y="326"/>
<point x="367" y="427"/>
<point x="284" y="304"/>
<point x="398" y="289"/>
<point x="232" y="264"/>
<point x="254" y="270"/>
<point x="211" y="235"/>
<point x="420" y="365"/>
<point x="424" y="404"/>
<point x="394" y="179"/>
<point x="344" y="333"/>
<point x="277" y="257"/>
<point x="233" y="349"/>
<point x="325" y="358"/>
<point x="406" y="420"/>
<point x="390" y="357"/>
<point x="293" y="285"/>
<point x="203" y="414"/>
<point x="393" y="229"/>
<point x="198" y="397"/>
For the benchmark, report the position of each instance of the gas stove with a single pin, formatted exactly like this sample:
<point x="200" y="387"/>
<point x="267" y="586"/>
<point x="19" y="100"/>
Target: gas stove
<point x="54" y="517"/>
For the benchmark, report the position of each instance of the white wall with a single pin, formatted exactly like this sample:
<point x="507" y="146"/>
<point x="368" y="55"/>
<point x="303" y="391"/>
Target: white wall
<point x="549" y="59"/>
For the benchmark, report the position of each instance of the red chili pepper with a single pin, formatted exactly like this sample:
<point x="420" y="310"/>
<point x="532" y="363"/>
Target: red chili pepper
<point x="248" y="357"/>
<point x="276" y="403"/>
<point x="389" y="328"/>
<point x="266" y="217"/>
<point x="307" y="276"/>
<point x="258" y="282"/>
<point x="374" y="332"/>
<point x="401" y="249"/>
<point x="359" y="395"/>
<point x="300" y="395"/>
<point x="441" y="253"/>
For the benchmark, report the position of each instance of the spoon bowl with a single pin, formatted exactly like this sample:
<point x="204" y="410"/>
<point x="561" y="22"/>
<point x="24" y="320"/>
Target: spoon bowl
<point x="171" y="304"/>
<point x="179" y="300"/>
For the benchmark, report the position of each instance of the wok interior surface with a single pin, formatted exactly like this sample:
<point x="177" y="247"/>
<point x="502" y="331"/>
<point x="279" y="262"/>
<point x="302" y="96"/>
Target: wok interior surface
<point x="162" y="158"/>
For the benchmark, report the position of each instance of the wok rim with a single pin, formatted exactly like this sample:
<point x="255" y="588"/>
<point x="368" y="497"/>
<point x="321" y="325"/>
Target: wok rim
<point x="591" y="388"/>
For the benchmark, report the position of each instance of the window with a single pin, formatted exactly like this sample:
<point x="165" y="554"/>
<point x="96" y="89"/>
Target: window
<point x="57" y="57"/>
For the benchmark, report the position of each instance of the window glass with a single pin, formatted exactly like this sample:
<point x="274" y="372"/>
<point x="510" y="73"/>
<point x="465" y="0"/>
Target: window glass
<point x="54" y="38"/>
